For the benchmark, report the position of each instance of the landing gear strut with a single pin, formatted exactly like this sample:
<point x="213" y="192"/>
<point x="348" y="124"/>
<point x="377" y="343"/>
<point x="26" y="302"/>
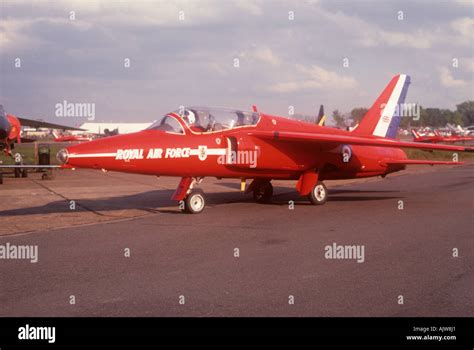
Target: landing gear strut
<point x="319" y="194"/>
<point x="192" y="201"/>
<point x="19" y="161"/>
<point x="263" y="192"/>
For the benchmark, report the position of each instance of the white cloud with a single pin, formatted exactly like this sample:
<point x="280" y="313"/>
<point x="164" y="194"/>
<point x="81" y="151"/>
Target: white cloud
<point x="251" y="6"/>
<point x="166" y="51"/>
<point x="418" y="39"/>
<point x="468" y="64"/>
<point x="369" y="35"/>
<point x="315" y="77"/>
<point x="464" y="2"/>
<point x="10" y="35"/>
<point x="219" y="68"/>
<point x="266" y="55"/>
<point x="463" y="29"/>
<point x="447" y="80"/>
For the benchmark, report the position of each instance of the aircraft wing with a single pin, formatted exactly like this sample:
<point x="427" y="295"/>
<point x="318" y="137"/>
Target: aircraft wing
<point x="334" y="139"/>
<point x="39" y="124"/>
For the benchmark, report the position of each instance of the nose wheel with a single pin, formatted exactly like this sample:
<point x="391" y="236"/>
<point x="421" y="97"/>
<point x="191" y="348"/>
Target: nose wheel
<point x="195" y="202"/>
<point x="319" y="194"/>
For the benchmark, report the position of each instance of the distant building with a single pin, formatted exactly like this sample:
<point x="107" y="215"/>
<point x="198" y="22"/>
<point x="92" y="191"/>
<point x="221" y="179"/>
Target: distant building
<point x="123" y="128"/>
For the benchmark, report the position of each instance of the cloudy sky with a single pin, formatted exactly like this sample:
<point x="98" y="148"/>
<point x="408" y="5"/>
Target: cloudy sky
<point x="290" y="53"/>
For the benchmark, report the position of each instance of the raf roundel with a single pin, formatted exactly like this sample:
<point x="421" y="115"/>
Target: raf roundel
<point x="346" y="152"/>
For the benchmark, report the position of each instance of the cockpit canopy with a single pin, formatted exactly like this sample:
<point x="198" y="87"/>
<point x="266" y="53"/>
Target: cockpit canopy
<point x="205" y="119"/>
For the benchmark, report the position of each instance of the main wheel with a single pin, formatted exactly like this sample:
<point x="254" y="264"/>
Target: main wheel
<point x="263" y="192"/>
<point x="319" y="194"/>
<point x="195" y="202"/>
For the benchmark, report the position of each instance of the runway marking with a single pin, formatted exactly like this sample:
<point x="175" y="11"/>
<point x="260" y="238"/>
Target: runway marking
<point x="68" y="199"/>
<point x="111" y="221"/>
<point x="114" y="219"/>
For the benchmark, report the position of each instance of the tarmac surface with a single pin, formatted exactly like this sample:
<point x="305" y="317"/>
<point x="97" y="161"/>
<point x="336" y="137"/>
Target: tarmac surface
<point x="238" y="258"/>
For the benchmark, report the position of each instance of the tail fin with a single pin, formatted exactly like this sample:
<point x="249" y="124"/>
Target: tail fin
<point x="383" y="118"/>
<point x="436" y="132"/>
<point x="321" y="116"/>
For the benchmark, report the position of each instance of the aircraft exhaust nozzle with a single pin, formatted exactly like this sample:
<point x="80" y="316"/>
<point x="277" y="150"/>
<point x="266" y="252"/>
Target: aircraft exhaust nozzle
<point x="62" y="156"/>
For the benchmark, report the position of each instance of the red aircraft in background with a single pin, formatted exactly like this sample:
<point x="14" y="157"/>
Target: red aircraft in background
<point x="437" y="137"/>
<point x="195" y="142"/>
<point x="10" y="130"/>
<point x="10" y="133"/>
<point x="71" y="138"/>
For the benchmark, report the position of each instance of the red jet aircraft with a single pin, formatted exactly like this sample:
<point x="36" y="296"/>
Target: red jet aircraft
<point x="10" y="130"/>
<point x="195" y="142"/>
<point x="71" y="138"/>
<point x="439" y="138"/>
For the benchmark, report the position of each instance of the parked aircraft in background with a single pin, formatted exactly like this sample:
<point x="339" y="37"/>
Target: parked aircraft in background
<point x="10" y="133"/>
<point x="71" y="138"/>
<point x="437" y="137"/>
<point x="10" y="130"/>
<point x="458" y="130"/>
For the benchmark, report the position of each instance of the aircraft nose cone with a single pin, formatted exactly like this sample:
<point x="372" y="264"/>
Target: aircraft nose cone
<point x="62" y="156"/>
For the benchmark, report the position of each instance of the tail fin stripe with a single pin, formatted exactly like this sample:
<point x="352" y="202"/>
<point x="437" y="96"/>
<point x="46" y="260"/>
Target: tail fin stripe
<point x="398" y="96"/>
<point x="396" y="119"/>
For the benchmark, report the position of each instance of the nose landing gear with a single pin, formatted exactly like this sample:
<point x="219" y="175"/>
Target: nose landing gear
<point x="195" y="202"/>
<point x="191" y="201"/>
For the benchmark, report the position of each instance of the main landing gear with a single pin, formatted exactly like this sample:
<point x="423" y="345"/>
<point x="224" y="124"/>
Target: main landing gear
<point x="262" y="191"/>
<point x="193" y="201"/>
